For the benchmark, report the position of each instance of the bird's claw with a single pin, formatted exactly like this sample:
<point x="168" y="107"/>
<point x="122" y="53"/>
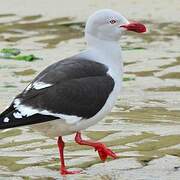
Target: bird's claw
<point x="104" y="152"/>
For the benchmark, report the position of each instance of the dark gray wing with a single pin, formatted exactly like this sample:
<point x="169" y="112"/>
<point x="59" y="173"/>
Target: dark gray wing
<point x="77" y="87"/>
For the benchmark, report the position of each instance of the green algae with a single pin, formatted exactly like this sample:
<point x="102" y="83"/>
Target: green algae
<point x="31" y="18"/>
<point x="10" y="162"/>
<point x="12" y="132"/>
<point x="172" y="75"/>
<point x="28" y="58"/>
<point x="97" y="135"/>
<point x="159" y="142"/>
<point x="128" y="78"/>
<point x="14" y="53"/>
<point x="26" y="82"/>
<point x="129" y="63"/>
<point x="155" y="148"/>
<point x="26" y="72"/>
<point x="175" y="63"/>
<point x="13" y="143"/>
<point x="144" y="160"/>
<point x="130" y="139"/>
<point x="10" y="51"/>
<point x="7" y="15"/>
<point x="144" y="73"/>
<point x="105" y="177"/>
<point x="13" y="165"/>
<point x="9" y="86"/>
<point x="127" y="48"/>
<point x="171" y="151"/>
<point x="149" y="115"/>
<point x="108" y="120"/>
<point x="164" y="89"/>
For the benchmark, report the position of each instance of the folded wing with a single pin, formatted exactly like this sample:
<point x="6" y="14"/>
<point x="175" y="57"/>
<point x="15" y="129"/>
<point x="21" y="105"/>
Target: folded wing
<point x="71" y="89"/>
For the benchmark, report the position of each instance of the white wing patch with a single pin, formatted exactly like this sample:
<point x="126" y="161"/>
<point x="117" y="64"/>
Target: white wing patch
<point x="40" y="85"/>
<point x="26" y="110"/>
<point x="17" y="115"/>
<point x="70" y="119"/>
<point x="28" y="87"/>
<point x="29" y="111"/>
<point x="6" y="120"/>
<point x="37" y="86"/>
<point x="16" y="103"/>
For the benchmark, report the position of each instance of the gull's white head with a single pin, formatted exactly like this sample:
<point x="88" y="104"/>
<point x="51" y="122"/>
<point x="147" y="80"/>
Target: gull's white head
<point x="108" y="25"/>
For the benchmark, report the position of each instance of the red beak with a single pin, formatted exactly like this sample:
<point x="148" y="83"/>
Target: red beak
<point x="135" y="26"/>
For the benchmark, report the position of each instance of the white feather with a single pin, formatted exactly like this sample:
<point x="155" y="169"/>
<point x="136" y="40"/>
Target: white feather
<point x="6" y="120"/>
<point x="29" y="111"/>
<point x="70" y="119"/>
<point x="16" y="102"/>
<point x="28" y="87"/>
<point x="40" y="85"/>
<point x="17" y="115"/>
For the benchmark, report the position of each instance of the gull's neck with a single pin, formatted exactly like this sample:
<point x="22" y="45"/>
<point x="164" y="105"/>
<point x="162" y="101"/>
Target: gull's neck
<point x="103" y="51"/>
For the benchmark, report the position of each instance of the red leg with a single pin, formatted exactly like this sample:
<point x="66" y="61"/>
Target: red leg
<point x="63" y="169"/>
<point x="103" y="151"/>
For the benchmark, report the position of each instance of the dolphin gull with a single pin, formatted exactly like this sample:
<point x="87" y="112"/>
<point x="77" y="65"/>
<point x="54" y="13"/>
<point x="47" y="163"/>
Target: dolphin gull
<point x="78" y="91"/>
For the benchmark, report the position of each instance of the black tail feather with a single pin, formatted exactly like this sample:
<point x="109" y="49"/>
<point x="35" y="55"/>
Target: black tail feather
<point x="8" y="120"/>
<point x="7" y="111"/>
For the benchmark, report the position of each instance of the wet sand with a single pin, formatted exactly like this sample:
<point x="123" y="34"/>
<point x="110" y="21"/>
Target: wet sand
<point x="144" y="126"/>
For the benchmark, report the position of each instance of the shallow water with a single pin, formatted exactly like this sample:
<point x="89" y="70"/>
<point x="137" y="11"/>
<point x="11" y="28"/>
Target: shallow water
<point x="144" y="126"/>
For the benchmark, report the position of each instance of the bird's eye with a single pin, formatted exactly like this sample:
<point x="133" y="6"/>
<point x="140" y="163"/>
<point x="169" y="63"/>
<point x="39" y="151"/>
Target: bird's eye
<point x="112" y="21"/>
